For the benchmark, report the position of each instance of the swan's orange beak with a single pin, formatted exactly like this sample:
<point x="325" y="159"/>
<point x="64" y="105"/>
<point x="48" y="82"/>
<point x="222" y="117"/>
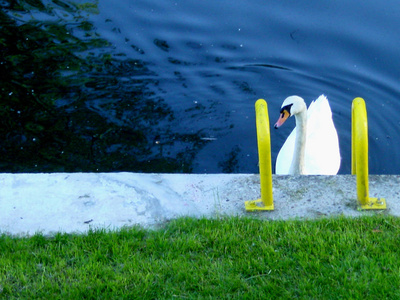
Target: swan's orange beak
<point x="283" y="117"/>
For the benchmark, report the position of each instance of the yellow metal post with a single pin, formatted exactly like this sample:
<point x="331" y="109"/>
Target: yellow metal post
<point x="359" y="155"/>
<point x="264" y="156"/>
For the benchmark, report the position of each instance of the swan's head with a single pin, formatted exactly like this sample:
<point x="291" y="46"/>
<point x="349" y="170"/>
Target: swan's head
<point x="291" y="106"/>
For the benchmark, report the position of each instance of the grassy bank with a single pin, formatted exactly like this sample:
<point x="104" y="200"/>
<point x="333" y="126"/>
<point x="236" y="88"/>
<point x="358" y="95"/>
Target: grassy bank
<point x="230" y="258"/>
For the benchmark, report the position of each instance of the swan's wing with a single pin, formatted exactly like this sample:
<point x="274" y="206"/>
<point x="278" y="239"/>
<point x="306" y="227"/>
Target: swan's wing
<point x="285" y="155"/>
<point x="322" y="155"/>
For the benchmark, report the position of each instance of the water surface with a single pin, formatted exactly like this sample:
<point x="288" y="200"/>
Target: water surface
<point x="170" y="86"/>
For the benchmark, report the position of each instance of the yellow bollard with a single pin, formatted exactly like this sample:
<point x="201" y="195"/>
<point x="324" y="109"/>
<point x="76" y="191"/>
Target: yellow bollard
<point x="359" y="155"/>
<point x="264" y="155"/>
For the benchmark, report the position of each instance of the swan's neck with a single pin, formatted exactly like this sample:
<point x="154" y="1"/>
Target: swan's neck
<point x="297" y="166"/>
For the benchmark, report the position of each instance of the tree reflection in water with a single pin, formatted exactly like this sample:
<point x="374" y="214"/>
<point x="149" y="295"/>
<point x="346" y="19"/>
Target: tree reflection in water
<point x="69" y="103"/>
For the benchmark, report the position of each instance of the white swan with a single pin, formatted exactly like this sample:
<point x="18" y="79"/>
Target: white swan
<point x="313" y="146"/>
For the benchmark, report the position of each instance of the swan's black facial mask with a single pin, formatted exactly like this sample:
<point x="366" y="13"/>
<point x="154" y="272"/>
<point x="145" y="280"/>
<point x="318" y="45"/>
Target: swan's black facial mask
<point x="285" y="114"/>
<point x="287" y="108"/>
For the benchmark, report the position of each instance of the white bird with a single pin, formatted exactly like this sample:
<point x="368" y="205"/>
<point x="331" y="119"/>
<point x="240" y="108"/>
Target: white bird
<point x="313" y="146"/>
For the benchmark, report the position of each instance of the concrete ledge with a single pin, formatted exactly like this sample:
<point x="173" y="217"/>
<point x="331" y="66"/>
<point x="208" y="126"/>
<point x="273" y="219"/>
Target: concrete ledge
<point x="74" y="202"/>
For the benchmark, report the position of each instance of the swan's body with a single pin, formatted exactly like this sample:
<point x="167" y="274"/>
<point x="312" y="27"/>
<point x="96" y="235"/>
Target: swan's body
<point x="313" y="146"/>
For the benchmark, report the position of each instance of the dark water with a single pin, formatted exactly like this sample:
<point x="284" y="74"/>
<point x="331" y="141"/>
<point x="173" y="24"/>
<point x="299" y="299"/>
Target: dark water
<point x="170" y="86"/>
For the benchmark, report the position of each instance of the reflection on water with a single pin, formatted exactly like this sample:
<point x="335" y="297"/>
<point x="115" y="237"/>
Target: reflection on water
<point x="69" y="104"/>
<point x="170" y="86"/>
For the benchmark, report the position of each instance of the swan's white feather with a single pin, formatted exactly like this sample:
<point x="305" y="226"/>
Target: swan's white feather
<point x="322" y="155"/>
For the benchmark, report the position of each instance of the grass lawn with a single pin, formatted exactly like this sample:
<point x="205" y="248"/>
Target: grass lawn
<point x="227" y="258"/>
